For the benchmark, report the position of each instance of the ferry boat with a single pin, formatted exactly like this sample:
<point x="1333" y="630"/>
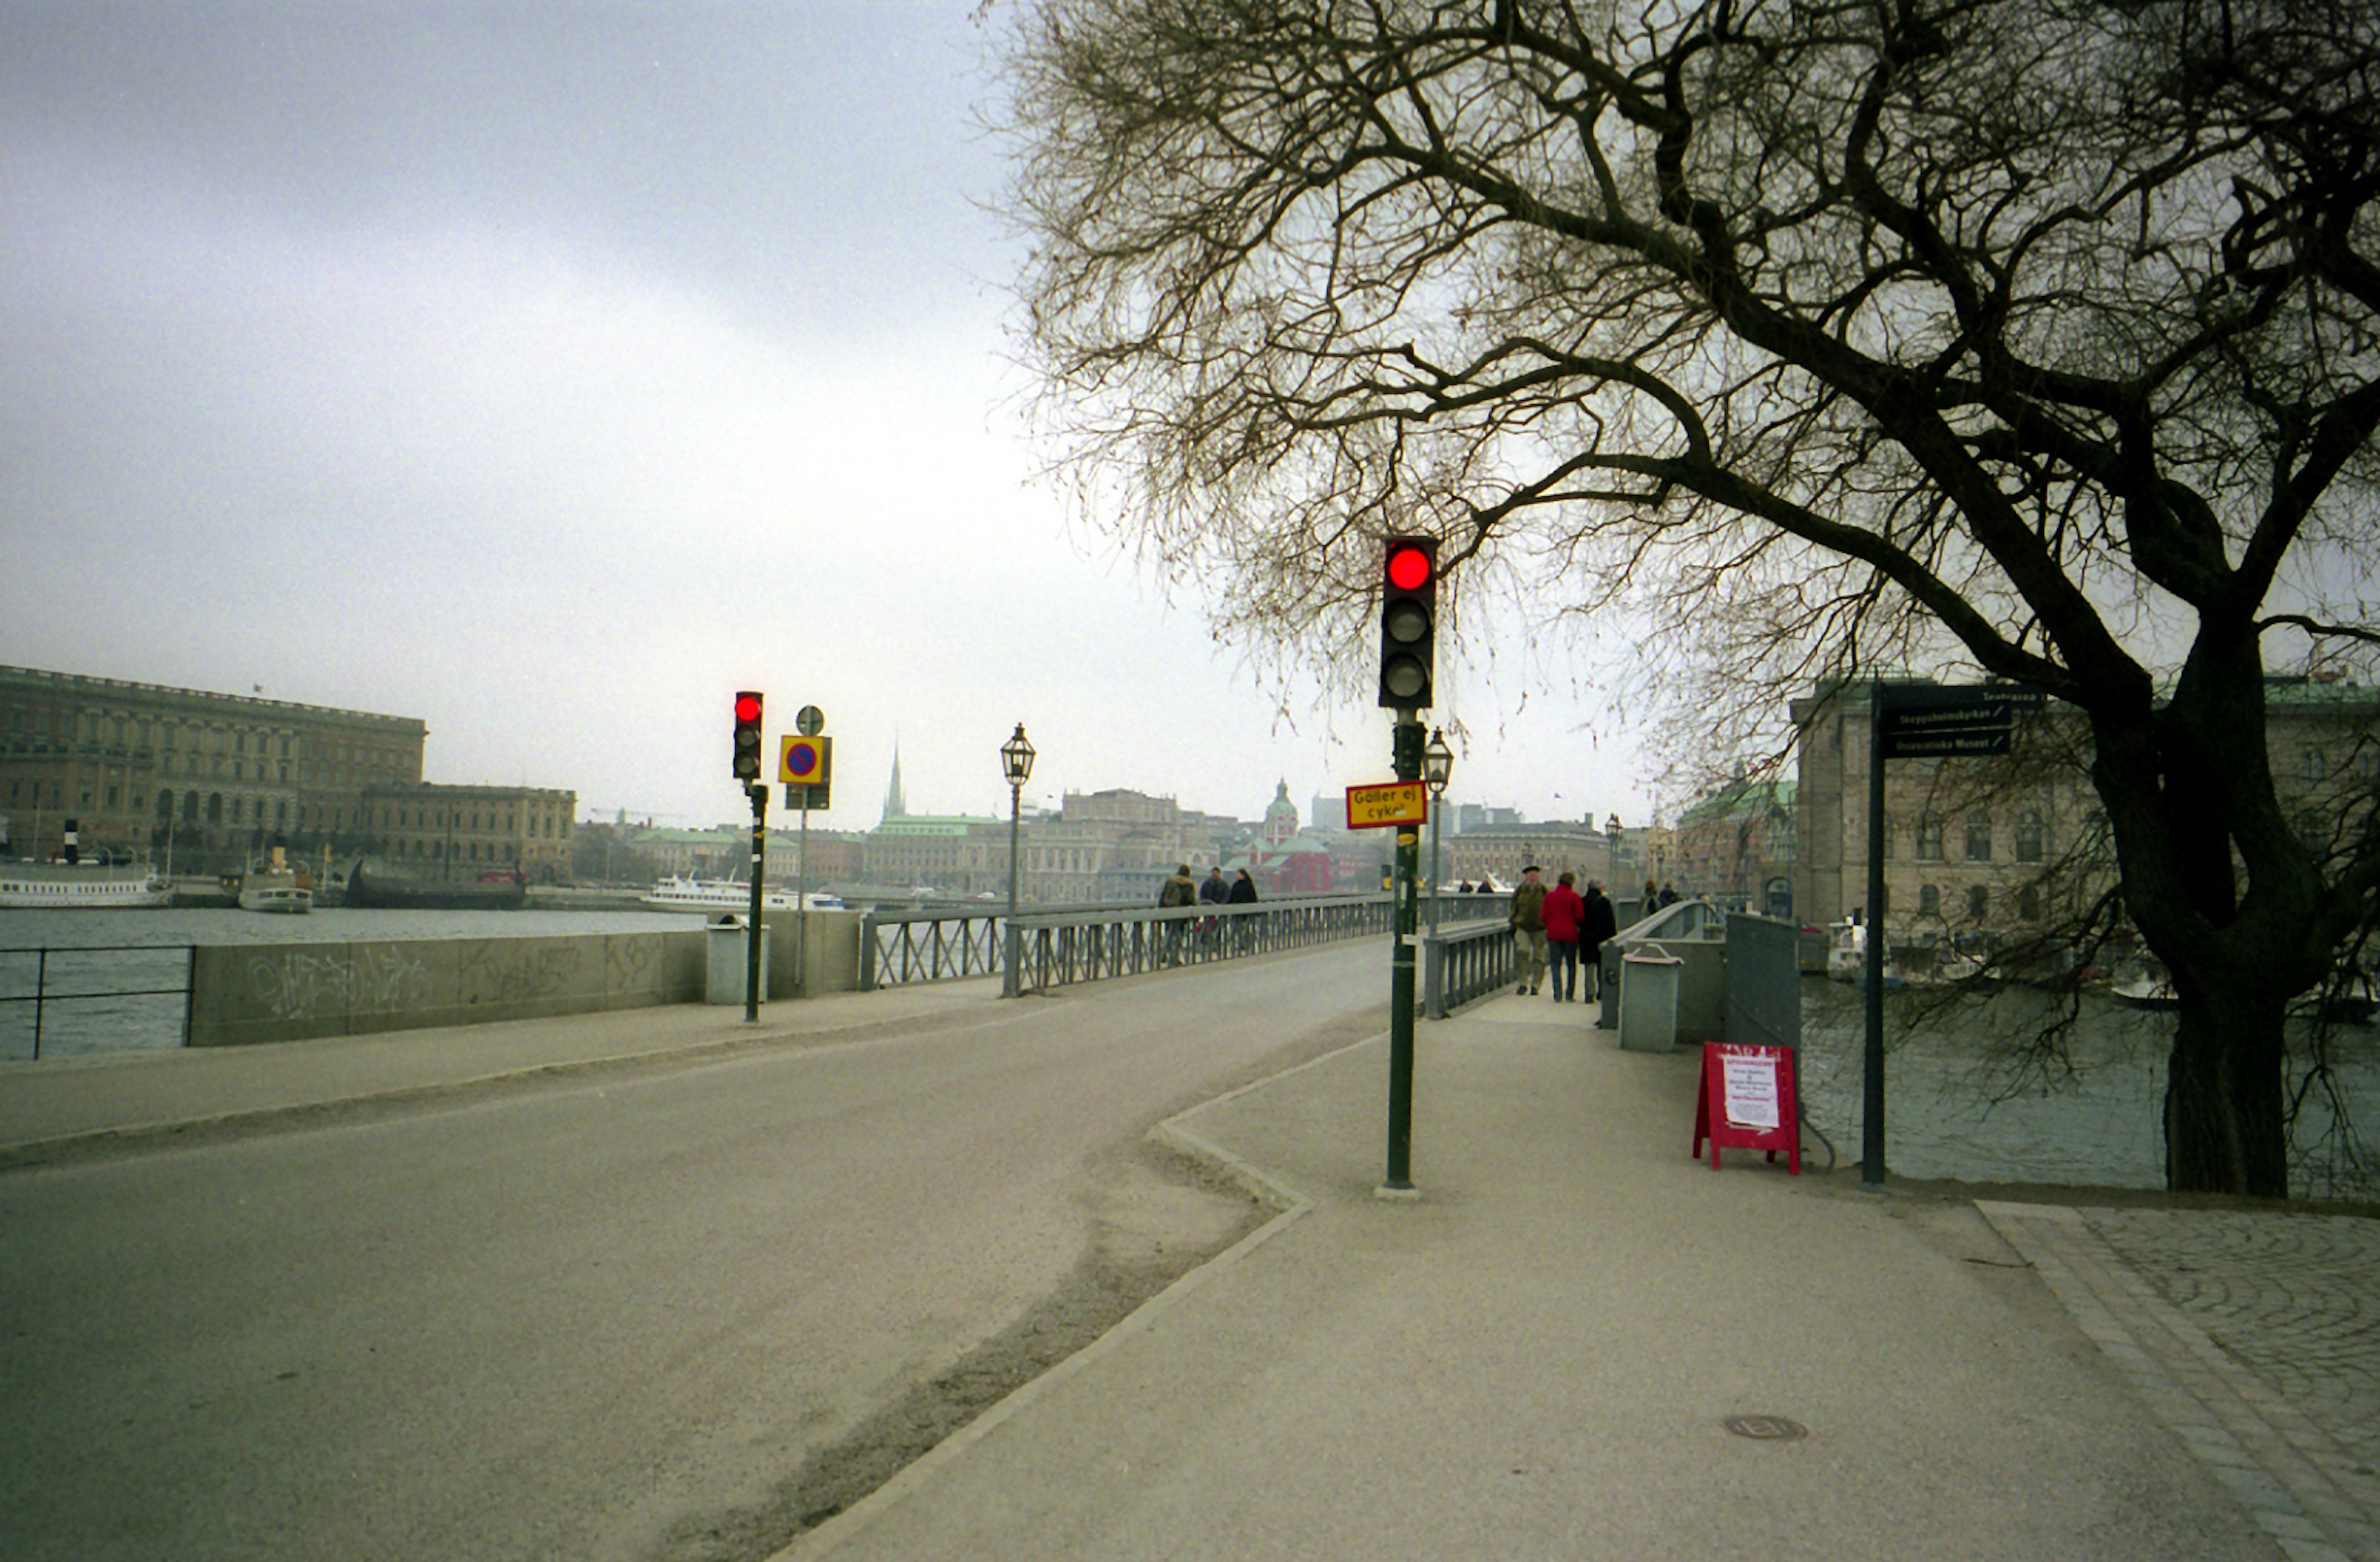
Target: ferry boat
<point x="275" y="887"/>
<point x="726" y="894"/>
<point x="85" y="886"/>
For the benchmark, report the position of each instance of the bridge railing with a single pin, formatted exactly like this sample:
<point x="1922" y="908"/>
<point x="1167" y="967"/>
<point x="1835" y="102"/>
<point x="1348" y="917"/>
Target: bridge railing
<point x="87" y="986"/>
<point x="1466" y="961"/>
<point x="1062" y="946"/>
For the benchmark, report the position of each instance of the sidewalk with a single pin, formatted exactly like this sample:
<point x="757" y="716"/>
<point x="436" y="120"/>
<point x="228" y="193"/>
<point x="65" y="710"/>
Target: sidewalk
<point x="1538" y="1361"/>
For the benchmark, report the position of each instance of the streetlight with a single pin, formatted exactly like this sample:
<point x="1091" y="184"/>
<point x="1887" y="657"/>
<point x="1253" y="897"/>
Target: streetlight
<point x="1017" y="762"/>
<point x="1436" y="768"/>
<point x="1611" y="835"/>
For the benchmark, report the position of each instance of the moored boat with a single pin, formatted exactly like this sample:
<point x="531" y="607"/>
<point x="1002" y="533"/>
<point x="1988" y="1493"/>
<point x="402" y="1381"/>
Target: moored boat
<point x="371" y="886"/>
<point x="276" y="887"/>
<point x="82" y="886"/>
<point x="683" y="893"/>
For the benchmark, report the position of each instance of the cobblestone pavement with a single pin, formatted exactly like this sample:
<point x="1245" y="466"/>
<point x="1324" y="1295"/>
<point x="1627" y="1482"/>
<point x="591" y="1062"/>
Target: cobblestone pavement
<point x="2254" y="1337"/>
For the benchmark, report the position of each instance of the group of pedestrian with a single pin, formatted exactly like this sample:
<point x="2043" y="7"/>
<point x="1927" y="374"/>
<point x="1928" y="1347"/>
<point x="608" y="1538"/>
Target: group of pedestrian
<point x="1562" y="924"/>
<point x="1182" y="889"/>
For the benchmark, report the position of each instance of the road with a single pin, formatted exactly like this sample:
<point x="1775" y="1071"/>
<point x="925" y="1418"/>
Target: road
<point x="627" y="1316"/>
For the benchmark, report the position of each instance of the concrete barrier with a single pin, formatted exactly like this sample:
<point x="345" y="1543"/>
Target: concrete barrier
<point x="831" y="957"/>
<point x="247" y="993"/>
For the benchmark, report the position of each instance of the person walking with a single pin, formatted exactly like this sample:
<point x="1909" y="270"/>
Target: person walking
<point x="1596" y="927"/>
<point x="1529" y="931"/>
<point x="1562" y="911"/>
<point x="1180" y="890"/>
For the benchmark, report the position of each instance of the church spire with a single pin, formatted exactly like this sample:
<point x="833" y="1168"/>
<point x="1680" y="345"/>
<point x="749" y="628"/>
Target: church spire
<point x="894" y="806"/>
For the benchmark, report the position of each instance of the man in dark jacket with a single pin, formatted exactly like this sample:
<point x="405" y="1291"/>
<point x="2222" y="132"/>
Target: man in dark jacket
<point x="1595" y="929"/>
<point x="1529" y="930"/>
<point x="1180" y="890"/>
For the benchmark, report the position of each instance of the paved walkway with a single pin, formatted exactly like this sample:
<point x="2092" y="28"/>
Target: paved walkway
<point x="1558" y="1351"/>
<point x="2254" y="1338"/>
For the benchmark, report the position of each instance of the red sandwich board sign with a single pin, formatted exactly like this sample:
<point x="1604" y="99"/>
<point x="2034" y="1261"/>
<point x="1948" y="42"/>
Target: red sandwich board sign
<point x="1747" y="1102"/>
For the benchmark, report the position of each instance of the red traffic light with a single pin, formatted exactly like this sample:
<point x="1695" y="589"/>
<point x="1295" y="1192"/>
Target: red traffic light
<point x="1410" y="567"/>
<point x="747" y="708"/>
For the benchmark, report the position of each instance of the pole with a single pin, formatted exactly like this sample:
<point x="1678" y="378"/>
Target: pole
<point x="1011" y="946"/>
<point x="1399" y="1182"/>
<point x="752" y="945"/>
<point x="1872" y="1103"/>
<point x="802" y="905"/>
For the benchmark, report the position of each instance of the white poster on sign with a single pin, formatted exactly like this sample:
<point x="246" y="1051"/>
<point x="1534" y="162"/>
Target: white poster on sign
<point x="1751" y="1087"/>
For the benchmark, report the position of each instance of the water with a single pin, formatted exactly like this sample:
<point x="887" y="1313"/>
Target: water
<point x="115" y="1023"/>
<point x="1957" y="1109"/>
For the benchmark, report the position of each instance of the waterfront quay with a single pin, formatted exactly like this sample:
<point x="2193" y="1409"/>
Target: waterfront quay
<point x="658" y="1283"/>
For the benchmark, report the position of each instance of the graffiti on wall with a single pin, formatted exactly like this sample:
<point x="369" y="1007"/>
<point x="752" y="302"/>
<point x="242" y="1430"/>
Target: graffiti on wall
<point x="513" y="970"/>
<point x="310" y="983"/>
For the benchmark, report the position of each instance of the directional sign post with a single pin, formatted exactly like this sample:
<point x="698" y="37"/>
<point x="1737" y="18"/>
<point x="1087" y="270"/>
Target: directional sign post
<point x="1915" y="721"/>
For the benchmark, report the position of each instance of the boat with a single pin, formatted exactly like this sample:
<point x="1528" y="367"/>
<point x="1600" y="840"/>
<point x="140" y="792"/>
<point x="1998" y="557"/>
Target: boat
<point x="2146" y="985"/>
<point x="82" y="886"/>
<point x="1847" y="956"/>
<point x="371" y="886"/>
<point x="682" y="893"/>
<point x="276" y="887"/>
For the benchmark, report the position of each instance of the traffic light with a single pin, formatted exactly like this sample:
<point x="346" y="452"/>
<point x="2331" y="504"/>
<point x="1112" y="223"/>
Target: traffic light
<point x="748" y="736"/>
<point x="1408" y="621"/>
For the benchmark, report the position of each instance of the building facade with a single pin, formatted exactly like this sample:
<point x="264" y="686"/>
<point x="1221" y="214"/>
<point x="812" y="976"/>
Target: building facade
<point x="457" y="832"/>
<point x="2003" y="846"/>
<point x="143" y="767"/>
<point x="1736" y="847"/>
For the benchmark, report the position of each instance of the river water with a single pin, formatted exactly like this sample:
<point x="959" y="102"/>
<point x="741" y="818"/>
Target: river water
<point x="1957" y="1108"/>
<point x="134" y="961"/>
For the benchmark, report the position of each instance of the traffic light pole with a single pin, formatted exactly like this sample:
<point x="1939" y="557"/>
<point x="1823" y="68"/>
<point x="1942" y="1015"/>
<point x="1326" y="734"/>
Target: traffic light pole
<point x="760" y="794"/>
<point x="1399" y="1182"/>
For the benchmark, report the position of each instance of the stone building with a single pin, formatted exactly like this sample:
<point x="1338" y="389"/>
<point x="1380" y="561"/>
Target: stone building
<point x="140" y="765"/>
<point x="2006" y="845"/>
<point x="1736" y="847"/>
<point x="1501" y="850"/>
<point x="455" y="832"/>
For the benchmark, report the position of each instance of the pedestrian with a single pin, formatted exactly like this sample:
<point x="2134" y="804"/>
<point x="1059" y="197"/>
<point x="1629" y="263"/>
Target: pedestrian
<point x="1652" y="900"/>
<point x="1564" y="912"/>
<point x="1213" y="893"/>
<point x="1463" y="888"/>
<point x="1668" y="895"/>
<point x="1528" y="920"/>
<point x="1596" y="927"/>
<point x="1244" y="928"/>
<point x="1180" y="890"/>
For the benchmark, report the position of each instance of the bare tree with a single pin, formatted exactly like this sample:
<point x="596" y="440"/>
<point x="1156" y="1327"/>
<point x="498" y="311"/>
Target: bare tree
<point x="2033" y="336"/>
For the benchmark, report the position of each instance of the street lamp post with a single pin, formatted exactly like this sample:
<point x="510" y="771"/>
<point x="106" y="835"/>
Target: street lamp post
<point x="1612" y="836"/>
<point x="1436" y="768"/>
<point x="1016" y="763"/>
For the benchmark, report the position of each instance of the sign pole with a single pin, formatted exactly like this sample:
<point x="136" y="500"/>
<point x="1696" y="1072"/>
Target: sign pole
<point x="1872" y="1089"/>
<point x="1399" y="1182"/>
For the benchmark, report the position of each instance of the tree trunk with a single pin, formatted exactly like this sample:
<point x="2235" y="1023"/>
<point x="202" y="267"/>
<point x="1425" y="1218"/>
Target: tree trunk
<point x="2226" y="1129"/>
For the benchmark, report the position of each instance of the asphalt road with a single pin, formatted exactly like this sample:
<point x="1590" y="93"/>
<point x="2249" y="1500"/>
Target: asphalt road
<point x="577" y="1320"/>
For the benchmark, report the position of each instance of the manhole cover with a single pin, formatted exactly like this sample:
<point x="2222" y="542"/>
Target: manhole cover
<point x="1766" y="1428"/>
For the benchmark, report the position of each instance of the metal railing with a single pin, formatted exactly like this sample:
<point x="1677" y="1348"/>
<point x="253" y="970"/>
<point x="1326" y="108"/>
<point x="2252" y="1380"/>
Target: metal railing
<point x="1060" y="946"/>
<point x="1465" y="962"/>
<point x="76" y="975"/>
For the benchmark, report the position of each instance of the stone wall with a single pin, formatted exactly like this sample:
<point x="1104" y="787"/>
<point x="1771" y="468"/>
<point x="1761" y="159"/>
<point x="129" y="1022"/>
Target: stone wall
<point x="244" y="993"/>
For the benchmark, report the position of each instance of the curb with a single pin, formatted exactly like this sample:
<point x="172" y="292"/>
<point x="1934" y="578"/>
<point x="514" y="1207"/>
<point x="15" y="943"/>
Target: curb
<point x="1294" y="1206"/>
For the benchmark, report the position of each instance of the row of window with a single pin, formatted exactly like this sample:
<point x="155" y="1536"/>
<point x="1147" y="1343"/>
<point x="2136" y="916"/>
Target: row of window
<point x="2030" y="839"/>
<point x="1979" y="901"/>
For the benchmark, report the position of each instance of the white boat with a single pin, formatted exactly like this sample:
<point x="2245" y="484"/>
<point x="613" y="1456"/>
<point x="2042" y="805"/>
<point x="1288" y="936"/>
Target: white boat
<point x="274" y="888"/>
<point x="2145" y="986"/>
<point x="726" y="894"/>
<point x="82" y="886"/>
<point x="1846" y="955"/>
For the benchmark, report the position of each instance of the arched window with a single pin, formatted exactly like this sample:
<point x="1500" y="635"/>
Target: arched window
<point x="2028" y="903"/>
<point x="165" y="805"/>
<point x="1979" y="902"/>
<point x="1930" y="899"/>
<point x="1979" y="836"/>
<point x="215" y="807"/>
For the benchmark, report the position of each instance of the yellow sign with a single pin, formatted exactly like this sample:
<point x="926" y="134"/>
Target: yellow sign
<point x="805" y="761"/>
<point x="1389" y="803"/>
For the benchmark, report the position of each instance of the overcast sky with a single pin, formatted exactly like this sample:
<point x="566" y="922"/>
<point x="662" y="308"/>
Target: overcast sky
<point x="551" y="371"/>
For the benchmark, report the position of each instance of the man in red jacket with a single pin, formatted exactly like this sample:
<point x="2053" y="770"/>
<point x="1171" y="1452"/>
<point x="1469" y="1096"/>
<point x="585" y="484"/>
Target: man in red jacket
<point x="1564" y="913"/>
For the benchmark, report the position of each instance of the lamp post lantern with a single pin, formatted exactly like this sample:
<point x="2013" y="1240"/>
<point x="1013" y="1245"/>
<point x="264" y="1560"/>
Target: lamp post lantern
<point x="1611" y="835"/>
<point x="1016" y="763"/>
<point x="1436" y="770"/>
